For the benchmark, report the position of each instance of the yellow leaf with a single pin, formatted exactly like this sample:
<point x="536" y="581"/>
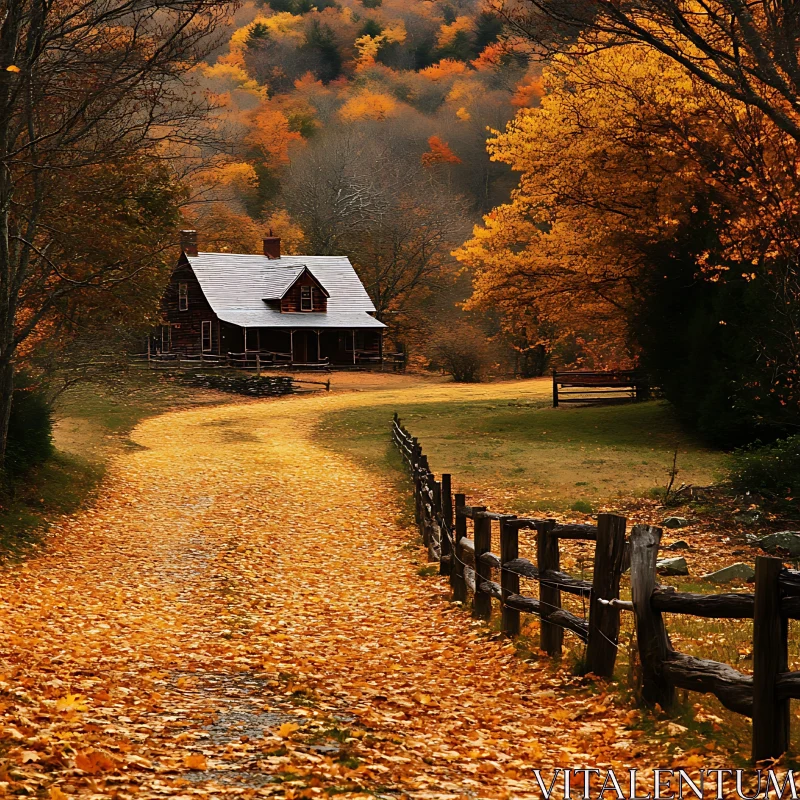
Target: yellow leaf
<point x="423" y="699"/>
<point x="287" y="729"/>
<point x="72" y="702"/>
<point x="12" y="68"/>
<point x="195" y="761"/>
<point x="29" y="755"/>
<point x="57" y="794"/>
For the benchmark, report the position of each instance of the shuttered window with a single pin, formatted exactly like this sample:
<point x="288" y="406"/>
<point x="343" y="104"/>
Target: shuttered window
<point x="306" y="298"/>
<point x="206" y="335"/>
<point x="183" y="297"/>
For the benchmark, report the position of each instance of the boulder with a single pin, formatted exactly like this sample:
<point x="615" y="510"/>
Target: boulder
<point x="681" y="544"/>
<point x="672" y="566"/>
<point x="675" y="522"/>
<point x="747" y="517"/>
<point x="735" y="572"/>
<point x="781" y="543"/>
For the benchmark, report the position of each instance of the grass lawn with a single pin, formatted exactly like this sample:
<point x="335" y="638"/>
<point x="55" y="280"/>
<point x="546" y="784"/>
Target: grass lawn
<point x="531" y="456"/>
<point x="91" y="423"/>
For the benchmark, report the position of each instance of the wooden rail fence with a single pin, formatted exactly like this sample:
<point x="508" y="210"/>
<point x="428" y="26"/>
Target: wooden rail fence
<point x="442" y="518"/>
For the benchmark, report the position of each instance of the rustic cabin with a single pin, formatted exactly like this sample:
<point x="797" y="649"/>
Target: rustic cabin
<point x="287" y="309"/>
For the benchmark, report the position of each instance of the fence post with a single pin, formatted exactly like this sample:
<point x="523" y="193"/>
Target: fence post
<point x="601" y="651"/>
<point x="654" y="645"/>
<point x="770" y="657"/>
<point x="258" y="365"/>
<point x="555" y="389"/>
<point x="551" y="636"/>
<point x="457" y="573"/>
<point x="482" y="601"/>
<point x="509" y="581"/>
<point x="447" y="501"/>
<point x="444" y="541"/>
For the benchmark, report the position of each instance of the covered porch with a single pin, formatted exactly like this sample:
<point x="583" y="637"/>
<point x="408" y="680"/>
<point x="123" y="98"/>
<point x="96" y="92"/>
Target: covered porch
<point x="303" y="346"/>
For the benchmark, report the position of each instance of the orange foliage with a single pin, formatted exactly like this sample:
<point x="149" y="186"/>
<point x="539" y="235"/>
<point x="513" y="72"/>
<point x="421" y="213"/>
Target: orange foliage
<point x="439" y="153"/>
<point x="528" y="92"/>
<point x="446" y="68"/>
<point x="270" y="134"/>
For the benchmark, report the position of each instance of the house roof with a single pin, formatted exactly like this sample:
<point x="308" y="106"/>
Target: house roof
<point x="236" y="287"/>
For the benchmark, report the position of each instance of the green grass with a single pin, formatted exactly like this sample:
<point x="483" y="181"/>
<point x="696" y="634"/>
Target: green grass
<point x="92" y="422"/>
<point x="535" y="456"/>
<point x="59" y="486"/>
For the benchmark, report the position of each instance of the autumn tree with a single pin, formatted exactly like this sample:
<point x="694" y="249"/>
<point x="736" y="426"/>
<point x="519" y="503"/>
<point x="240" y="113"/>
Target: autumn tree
<point x="630" y="158"/>
<point x="91" y="91"/>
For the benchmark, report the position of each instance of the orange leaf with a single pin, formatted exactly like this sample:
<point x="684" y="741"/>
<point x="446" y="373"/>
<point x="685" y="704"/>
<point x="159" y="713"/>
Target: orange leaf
<point x="93" y="761"/>
<point x="195" y="761"/>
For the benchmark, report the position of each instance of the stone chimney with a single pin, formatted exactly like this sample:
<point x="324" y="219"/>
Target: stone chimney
<point x="189" y="242"/>
<point x="272" y="246"/>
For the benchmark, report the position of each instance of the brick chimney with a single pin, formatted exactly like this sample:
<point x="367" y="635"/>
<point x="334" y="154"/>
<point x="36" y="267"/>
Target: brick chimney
<point x="189" y="242"/>
<point x="272" y="246"/>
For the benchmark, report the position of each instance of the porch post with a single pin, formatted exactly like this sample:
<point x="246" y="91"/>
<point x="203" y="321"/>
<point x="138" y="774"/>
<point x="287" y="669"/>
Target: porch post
<point x="319" y="350"/>
<point x="380" y="346"/>
<point x="354" y="345"/>
<point x="291" y="345"/>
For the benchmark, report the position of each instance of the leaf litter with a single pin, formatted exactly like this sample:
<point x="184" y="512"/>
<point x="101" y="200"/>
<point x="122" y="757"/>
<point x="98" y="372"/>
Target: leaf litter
<point x="242" y="617"/>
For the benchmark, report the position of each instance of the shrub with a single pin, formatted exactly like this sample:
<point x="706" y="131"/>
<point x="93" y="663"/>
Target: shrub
<point x="30" y="430"/>
<point x="460" y="350"/>
<point x="772" y="470"/>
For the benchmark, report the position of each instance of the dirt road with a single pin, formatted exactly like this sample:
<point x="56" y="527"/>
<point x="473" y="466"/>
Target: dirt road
<point x="240" y="612"/>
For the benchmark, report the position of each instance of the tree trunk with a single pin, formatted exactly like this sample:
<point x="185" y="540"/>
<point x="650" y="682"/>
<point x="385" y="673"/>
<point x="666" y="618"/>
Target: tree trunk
<point x="6" y="392"/>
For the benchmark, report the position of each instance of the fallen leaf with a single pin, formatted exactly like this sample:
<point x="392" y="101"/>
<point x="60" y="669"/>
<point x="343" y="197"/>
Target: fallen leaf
<point x="94" y="762"/>
<point x="287" y="729"/>
<point x="72" y="702"/>
<point x="195" y="761"/>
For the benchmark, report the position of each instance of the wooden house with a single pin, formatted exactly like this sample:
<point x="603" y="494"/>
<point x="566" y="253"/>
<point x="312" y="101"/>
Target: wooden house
<point x="290" y="309"/>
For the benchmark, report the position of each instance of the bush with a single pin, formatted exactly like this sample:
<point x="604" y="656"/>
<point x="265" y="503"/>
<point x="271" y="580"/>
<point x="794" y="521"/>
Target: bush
<point x="459" y="350"/>
<point x="30" y="430"/>
<point x="772" y="470"/>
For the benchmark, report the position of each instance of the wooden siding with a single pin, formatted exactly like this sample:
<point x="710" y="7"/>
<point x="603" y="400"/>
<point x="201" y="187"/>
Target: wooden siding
<point x="291" y="303"/>
<point x="186" y="326"/>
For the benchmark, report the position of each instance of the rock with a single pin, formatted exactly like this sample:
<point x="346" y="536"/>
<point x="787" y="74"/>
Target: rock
<point x="676" y="522"/>
<point x="672" y="566"/>
<point x="747" y="517"/>
<point x="679" y="545"/>
<point x="781" y="543"/>
<point x="735" y="572"/>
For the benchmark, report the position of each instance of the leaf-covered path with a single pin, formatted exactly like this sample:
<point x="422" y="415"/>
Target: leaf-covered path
<point x="239" y="612"/>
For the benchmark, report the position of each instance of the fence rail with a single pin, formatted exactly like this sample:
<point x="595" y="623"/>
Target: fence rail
<point x="442" y="518"/>
<point x="256" y="361"/>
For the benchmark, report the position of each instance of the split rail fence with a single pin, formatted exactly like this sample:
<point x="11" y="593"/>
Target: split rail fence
<point x="444" y="518"/>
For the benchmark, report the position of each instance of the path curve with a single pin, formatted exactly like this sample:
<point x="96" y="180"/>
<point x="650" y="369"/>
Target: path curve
<point x="240" y="612"/>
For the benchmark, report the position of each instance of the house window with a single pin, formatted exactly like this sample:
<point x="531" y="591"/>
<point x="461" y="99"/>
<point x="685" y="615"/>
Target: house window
<point x="206" y="335"/>
<point x="306" y="298"/>
<point x="183" y="297"/>
<point x="166" y="338"/>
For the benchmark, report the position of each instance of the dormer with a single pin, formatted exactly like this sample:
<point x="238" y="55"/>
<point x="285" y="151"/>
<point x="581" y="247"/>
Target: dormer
<point x="298" y="292"/>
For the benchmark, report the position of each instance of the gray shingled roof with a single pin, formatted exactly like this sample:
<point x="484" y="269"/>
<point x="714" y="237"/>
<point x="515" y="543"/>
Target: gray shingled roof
<point x="236" y="285"/>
